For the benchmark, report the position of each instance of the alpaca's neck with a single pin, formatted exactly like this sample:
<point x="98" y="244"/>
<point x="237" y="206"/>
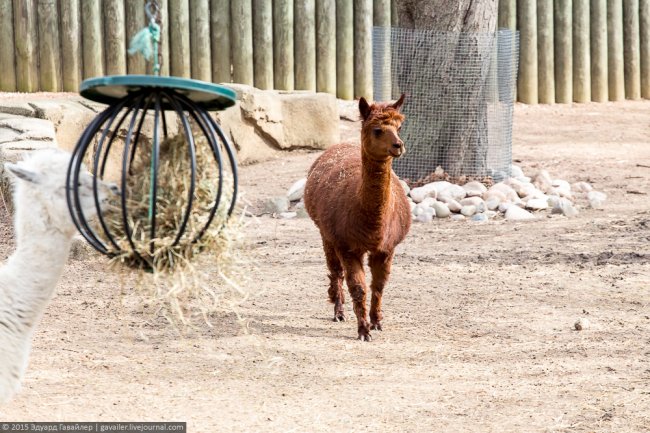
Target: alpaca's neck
<point x="33" y="270"/>
<point x="375" y="190"/>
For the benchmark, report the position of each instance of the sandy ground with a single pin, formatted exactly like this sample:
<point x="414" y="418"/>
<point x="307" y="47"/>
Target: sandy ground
<point x="478" y="331"/>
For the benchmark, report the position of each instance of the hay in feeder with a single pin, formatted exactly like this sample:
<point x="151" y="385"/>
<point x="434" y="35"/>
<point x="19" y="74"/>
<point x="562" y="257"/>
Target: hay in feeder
<point x="170" y="278"/>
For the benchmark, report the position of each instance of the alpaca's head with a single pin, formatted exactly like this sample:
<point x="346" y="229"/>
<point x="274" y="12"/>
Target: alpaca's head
<point x="40" y="186"/>
<point x="380" y="129"/>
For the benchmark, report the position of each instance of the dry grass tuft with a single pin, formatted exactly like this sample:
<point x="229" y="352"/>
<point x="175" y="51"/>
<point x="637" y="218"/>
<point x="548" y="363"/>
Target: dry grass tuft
<point x="172" y="280"/>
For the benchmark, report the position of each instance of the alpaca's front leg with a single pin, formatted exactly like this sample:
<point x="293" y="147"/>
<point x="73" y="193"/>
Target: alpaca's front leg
<point x="356" y="280"/>
<point x="335" y="291"/>
<point x="380" y="264"/>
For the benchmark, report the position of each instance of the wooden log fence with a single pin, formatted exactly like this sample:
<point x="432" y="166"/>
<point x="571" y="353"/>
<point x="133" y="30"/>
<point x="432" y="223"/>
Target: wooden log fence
<point x="571" y="50"/>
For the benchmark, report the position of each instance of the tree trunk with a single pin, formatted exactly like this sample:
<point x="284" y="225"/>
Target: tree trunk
<point x="455" y="115"/>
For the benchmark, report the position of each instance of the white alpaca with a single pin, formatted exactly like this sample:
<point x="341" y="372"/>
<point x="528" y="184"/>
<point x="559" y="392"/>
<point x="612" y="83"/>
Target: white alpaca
<point x="44" y="231"/>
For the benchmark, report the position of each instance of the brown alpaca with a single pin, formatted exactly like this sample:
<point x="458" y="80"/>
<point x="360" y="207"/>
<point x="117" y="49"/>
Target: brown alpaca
<point x="356" y="201"/>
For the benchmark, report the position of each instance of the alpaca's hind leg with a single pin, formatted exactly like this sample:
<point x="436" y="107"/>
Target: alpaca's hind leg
<point x="335" y="290"/>
<point x="380" y="264"/>
<point x="356" y="280"/>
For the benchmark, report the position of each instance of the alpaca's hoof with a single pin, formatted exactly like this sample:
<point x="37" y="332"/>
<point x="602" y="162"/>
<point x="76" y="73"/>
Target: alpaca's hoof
<point x="339" y="317"/>
<point x="376" y="326"/>
<point x="365" y="336"/>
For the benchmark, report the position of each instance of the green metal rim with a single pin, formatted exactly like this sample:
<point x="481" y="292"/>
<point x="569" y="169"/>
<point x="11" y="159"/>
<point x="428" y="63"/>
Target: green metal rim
<point x="108" y="90"/>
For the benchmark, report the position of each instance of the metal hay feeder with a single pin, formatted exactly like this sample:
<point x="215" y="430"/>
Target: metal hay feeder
<point x="134" y="101"/>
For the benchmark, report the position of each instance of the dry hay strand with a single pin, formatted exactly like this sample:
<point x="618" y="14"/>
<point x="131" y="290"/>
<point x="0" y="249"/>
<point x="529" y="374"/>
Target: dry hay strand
<point x="172" y="282"/>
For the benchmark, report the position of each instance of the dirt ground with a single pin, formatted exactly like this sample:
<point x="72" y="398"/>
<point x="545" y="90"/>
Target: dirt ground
<point x="478" y="331"/>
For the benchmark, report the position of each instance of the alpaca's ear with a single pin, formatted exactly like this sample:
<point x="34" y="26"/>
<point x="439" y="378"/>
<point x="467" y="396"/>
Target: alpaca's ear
<point x="22" y="173"/>
<point x="398" y="105"/>
<point x="364" y="108"/>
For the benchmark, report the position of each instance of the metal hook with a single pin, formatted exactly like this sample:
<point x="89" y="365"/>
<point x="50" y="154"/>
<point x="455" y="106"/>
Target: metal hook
<point x="154" y="16"/>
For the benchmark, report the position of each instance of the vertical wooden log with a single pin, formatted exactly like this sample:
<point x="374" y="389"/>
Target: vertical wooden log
<point x="527" y="90"/>
<point x="241" y="19"/>
<point x="344" y="49"/>
<point x="363" y="49"/>
<point x="49" y="46"/>
<point x="563" y="26"/>
<point x="546" y="63"/>
<point x="381" y="33"/>
<point x="283" y="76"/>
<point x="598" y="22"/>
<point x="70" y="45"/>
<point x="164" y="36"/>
<point x="179" y="39"/>
<point x="200" y="40"/>
<point x="91" y="29"/>
<point x="394" y="19"/>
<point x="508" y="14"/>
<point x="615" y="50"/>
<point x="632" y="55"/>
<point x="644" y="28"/>
<point x="220" y="28"/>
<point x="263" y="43"/>
<point x="114" y="37"/>
<point x="25" y="45"/>
<point x="326" y="46"/>
<point x="135" y="21"/>
<point x="581" y="53"/>
<point x="7" y="52"/>
<point x="305" y="44"/>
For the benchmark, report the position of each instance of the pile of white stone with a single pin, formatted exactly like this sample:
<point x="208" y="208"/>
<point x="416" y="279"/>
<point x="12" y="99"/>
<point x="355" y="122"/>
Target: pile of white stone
<point x="517" y="198"/>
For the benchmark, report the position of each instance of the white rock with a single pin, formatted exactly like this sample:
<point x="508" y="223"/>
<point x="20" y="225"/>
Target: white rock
<point x="507" y="191"/>
<point x="288" y="215"/>
<point x="297" y="190"/>
<point x="442" y="210"/>
<point x="457" y="192"/>
<point x="503" y="207"/>
<point x="420" y="193"/>
<point x="428" y="201"/>
<point x="440" y="185"/>
<point x="492" y="204"/>
<point x="565" y="207"/>
<point x="515" y="213"/>
<point x="453" y="205"/>
<point x="516" y="171"/>
<point x="537" y="204"/>
<point x="424" y="218"/>
<point x="477" y="202"/>
<point x="491" y="213"/>
<point x="543" y="181"/>
<point x="596" y="199"/>
<point x="480" y="218"/>
<point x="581" y="187"/>
<point x="562" y="187"/>
<point x="457" y="217"/>
<point x="523" y="179"/>
<point x="413" y="206"/>
<point x="405" y="186"/>
<point x="276" y="205"/>
<point x="553" y="200"/>
<point x="474" y="188"/>
<point x="419" y="210"/>
<point x="529" y="190"/>
<point x="468" y="210"/>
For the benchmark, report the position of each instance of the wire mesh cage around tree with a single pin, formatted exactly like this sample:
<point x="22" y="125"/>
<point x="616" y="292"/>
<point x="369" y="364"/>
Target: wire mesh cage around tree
<point x="460" y="96"/>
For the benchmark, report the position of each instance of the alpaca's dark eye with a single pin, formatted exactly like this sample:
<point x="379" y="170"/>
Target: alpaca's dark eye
<point x="399" y="129"/>
<point x="377" y="131"/>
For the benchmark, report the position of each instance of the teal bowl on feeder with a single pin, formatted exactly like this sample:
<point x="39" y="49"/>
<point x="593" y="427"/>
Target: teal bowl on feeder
<point x="111" y="89"/>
